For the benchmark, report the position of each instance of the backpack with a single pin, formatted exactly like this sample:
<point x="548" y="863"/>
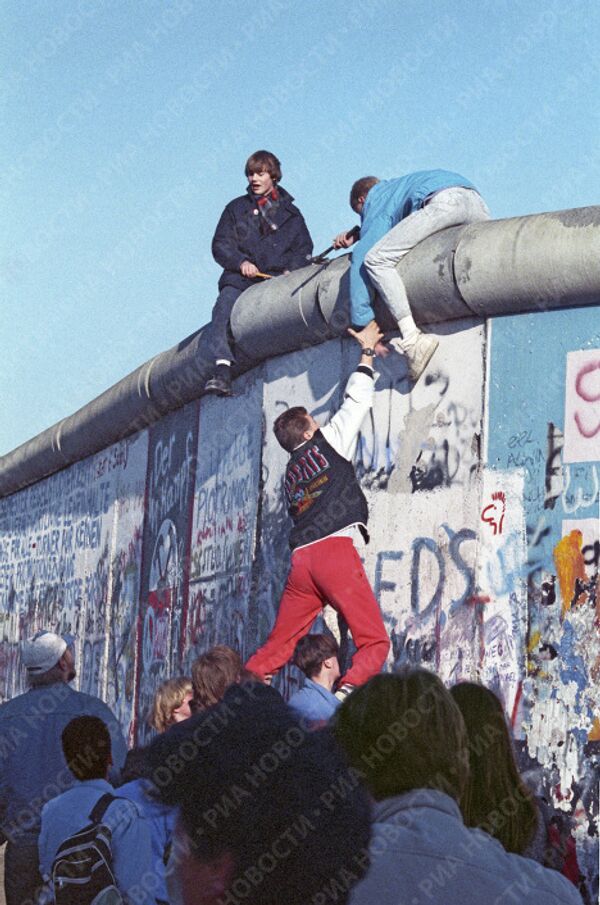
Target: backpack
<point x="82" y="871"/>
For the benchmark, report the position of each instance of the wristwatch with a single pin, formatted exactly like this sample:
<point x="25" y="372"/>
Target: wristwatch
<point x="369" y="351"/>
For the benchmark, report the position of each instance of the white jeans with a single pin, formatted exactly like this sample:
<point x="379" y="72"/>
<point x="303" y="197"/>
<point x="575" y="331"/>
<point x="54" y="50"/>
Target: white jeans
<point x="448" y="207"/>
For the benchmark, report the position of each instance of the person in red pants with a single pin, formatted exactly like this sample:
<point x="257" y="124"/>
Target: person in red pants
<point x="329" y="512"/>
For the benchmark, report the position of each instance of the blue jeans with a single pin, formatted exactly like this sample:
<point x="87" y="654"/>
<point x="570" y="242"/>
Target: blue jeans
<point x="220" y="336"/>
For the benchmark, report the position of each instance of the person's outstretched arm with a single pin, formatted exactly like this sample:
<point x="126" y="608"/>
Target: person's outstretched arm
<point x="342" y="430"/>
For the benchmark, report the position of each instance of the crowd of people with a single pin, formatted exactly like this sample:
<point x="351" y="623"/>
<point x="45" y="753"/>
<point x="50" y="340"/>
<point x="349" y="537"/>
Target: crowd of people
<point x="364" y="787"/>
<point x="400" y="791"/>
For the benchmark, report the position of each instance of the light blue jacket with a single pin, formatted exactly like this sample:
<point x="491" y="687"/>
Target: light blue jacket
<point x="314" y="703"/>
<point x="387" y="203"/>
<point x="421" y="852"/>
<point x="32" y="765"/>
<point x="161" y="820"/>
<point x="130" y="843"/>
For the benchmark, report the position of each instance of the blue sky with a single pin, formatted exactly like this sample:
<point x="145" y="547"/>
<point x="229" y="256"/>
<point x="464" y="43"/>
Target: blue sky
<point x="126" y="125"/>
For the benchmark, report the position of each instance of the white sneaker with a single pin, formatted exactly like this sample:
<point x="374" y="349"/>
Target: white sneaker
<point x="418" y="349"/>
<point x="343" y="691"/>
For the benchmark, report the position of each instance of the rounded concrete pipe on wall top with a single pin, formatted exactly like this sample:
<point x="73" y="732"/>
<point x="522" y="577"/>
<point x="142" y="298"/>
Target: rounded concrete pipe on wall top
<point x="279" y="315"/>
<point x="521" y="264"/>
<point x="540" y="262"/>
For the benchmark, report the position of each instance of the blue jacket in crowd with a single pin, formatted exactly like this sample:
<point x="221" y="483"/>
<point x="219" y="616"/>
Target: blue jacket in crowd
<point x="313" y="702"/>
<point x="131" y="853"/>
<point x="387" y="203"/>
<point x="421" y="852"/>
<point x="238" y="237"/>
<point x="161" y="820"/>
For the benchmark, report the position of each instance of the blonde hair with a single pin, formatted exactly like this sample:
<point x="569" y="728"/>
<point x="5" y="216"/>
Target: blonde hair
<point x="168" y="697"/>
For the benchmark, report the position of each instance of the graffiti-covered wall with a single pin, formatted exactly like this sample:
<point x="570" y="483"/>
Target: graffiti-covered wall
<point x="483" y="484"/>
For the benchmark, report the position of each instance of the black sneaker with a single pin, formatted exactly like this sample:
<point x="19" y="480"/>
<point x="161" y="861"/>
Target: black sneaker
<point x="218" y="386"/>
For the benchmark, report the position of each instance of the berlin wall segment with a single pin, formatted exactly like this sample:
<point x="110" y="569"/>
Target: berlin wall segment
<point x="544" y="422"/>
<point x="172" y="449"/>
<point x="71" y="555"/>
<point x="483" y="487"/>
<point x="225" y="506"/>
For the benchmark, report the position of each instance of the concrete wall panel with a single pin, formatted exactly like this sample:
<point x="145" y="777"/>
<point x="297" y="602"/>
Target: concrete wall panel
<point x="70" y="560"/>
<point x="533" y="394"/>
<point x="501" y="589"/>
<point x="426" y="436"/>
<point x="421" y="561"/>
<point x="169" y="498"/>
<point x="226" y="496"/>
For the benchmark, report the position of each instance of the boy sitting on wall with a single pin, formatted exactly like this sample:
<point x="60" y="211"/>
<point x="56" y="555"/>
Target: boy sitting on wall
<point x="260" y="233"/>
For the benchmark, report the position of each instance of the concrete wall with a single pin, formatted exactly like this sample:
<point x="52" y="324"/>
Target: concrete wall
<point x="483" y="484"/>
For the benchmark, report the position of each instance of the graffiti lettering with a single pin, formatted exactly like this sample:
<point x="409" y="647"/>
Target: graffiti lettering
<point x="419" y="546"/>
<point x="582" y="409"/>
<point x="493" y="513"/>
<point x="521" y="439"/>
<point x="170" y="489"/>
<point x="580" y="498"/>
<point x="583" y="372"/>
<point x="116" y="458"/>
<point x="457" y="539"/>
<point x="530" y="461"/>
<point x="554" y="475"/>
<point x="381" y="584"/>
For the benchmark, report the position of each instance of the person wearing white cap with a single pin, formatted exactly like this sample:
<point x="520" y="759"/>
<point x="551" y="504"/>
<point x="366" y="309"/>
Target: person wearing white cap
<point x="43" y="653"/>
<point x="32" y="765"/>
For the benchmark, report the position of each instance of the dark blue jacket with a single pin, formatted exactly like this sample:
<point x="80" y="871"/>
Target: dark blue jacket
<point x="238" y="238"/>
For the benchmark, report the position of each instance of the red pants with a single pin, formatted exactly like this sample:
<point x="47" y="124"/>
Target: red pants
<point x="329" y="571"/>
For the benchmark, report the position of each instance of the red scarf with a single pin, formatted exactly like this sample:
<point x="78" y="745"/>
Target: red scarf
<point x="267" y="206"/>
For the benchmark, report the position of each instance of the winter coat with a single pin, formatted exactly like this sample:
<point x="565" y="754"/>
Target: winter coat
<point x="421" y="852"/>
<point x="238" y="238"/>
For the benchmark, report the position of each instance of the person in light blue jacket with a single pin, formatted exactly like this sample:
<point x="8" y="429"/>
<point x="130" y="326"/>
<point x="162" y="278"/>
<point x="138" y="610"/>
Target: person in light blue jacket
<point x="139" y="788"/>
<point x="316" y="656"/>
<point x="86" y="744"/>
<point x="397" y="214"/>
